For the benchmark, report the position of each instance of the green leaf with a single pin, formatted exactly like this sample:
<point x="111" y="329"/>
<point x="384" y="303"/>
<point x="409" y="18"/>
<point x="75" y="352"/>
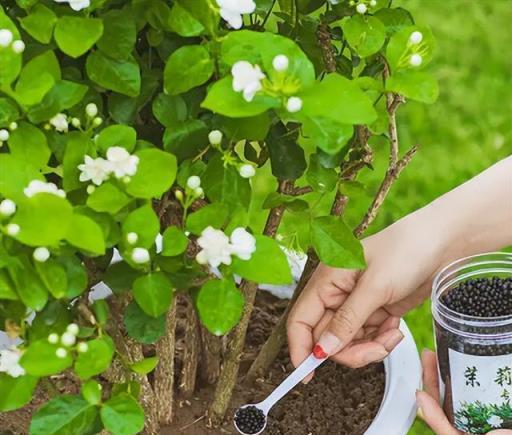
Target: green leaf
<point x="120" y="276"/>
<point x="141" y="327"/>
<point x="8" y="112"/>
<point x="44" y="219"/>
<point x="267" y="265"/>
<point x="286" y="157"/>
<point x="122" y="415"/>
<point x="10" y="61"/>
<point x="186" y="139"/>
<point x="187" y="68"/>
<point x="97" y="359"/>
<point x="15" y="176"/>
<point x="327" y="134"/>
<point x="204" y="11"/>
<point x="144" y="222"/>
<point x="119" y="34"/>
<point x="253" y="128"/>
<point x="416" y="85"/>
<point x="399" y="48"/>
<point x="91" y="391"/>
<point x="365" y="34"/>
<point x="37" y="78"/>
<point x="40" y="23"/>
<point x="62" y="96"/>
<point x="291" y="203"/>
<point x="30" y="288"/>
<point x="108" y="198"/>
<point x="394" y="19"/>
<point x="78" y="145"/>
<point x="65" y="415"/>
<point x="76" y="35"/>
<point x="321" y="179"/>
<point x="170" y="110"/>
<point x="156" y="173"/>
<point x="182" y="23"/>
<point x="117" y="136"/>
<point x="335" y="243"/>
<point x="153" y="293"/>
<point x="76" y="273"/>
<point x="220" y="305"/>
<point x="214" y="215"/>
<point x="54" y="277"/>
<point x="224" y="100"/>
<point x="145" y="366"/>
<point x="339" y="99"/>
<point x="86" y="234"/>
<point x="121" y="76"/>
<point x="40" y="359"/>
<point x="6" y="289"/>
<point x="174" y="242"/>
<point x="29" y="144"/>
<point x="16" y="392"/>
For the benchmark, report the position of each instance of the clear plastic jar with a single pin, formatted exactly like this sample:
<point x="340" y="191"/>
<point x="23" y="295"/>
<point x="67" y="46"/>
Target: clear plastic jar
<point x="474" y="353"/>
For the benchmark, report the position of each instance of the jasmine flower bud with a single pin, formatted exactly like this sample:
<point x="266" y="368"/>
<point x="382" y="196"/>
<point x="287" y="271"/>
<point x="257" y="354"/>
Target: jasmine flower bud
<point x="280" y="63"/>
<point x="82" y="347"/>
<point x="132" y="238"/>
<point x="90" y="189"/>
<point x="91" y="110"/>
<point x="75" y="122"/>
<point x="361" y="8"/>
<point x="179" y="195"/>
<point x="373" y="3"/>
<point x="4" y="135"/>
<point x="7" y="207"/>
<point x="415" y="59"/>
<point x="13" y="230"/>
<point x="416" y="37"/>
<point x="5" y="37"/>
<point x="61" y="353"/>
<point x="199" y="192"/>
<point x="247" y="171"/>
<point x="68" y="339"/>
<point x="97" y="121"/>
<point x="13" y="126"/>
<point x="215" y="137"/>
<point x="73" y="328"/>
<point x="294" y="104"/>
<point x="193" y="182"/>
<point x="18" y="46"/>
<point x="53" y="338"/>
<point x="41" y="254"/>
<point x="140" y="256"/>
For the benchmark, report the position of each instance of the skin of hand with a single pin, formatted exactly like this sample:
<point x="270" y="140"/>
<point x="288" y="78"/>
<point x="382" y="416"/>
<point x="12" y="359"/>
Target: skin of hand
<point x="428" y="400"/>
<point x="353" y="315"/>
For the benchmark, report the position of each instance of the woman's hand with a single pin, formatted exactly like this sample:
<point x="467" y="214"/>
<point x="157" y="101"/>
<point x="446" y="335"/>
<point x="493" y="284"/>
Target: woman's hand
<point x="429" y="401"/>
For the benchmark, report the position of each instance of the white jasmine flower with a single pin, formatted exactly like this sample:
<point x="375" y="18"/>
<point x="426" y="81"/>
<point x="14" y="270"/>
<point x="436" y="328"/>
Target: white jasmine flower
<point x="215" y="137"/>
<point x="416" y="37"/>
<point x="4" y="135"/>
<point x="247" y="171"/>
<point x="243" y="243"/>
<point x="193" y="182"/>
<point x="41" y="254"/>
<point x="82" y="347"/>
<point x="495" y="421"/>
<point x="73" y="329"/>
<point x="416" y="59"/>
<point x="247" y="79"/>
<point x="294" y="104"/>
<point x="18" y="46"/>
<point x="13" y="126"/>
<point x="5" y="37"/>
<point x="60" y="122"/>
<point x="76" y="5"/>
<point x="10" y="362"/>
<point x="68" y="339"/>
<point x="75" y="122"/>
<point x="232" y="11"/>
<point x="7" y="207"/>
<point x="37" y="186"/>
<point x="216" y="248"/>
<point x="132" y="238"/>
<point x="91" y="110"/>
<point x="140" y="256"/>
<point x="361" y="8"/>
<point x="280" y="62"/>
<point x="97" y="170"/>
<point x="61" y="353"/>
<point x="53" y="338"/>
<point x="13" y="230"/>
<point x="122" y="163"/>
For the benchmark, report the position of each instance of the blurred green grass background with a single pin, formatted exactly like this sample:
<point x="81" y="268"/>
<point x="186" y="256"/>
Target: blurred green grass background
<point x="466" y="131"/>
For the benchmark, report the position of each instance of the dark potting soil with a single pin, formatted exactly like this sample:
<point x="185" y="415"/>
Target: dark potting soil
<point x="250" y="420"/>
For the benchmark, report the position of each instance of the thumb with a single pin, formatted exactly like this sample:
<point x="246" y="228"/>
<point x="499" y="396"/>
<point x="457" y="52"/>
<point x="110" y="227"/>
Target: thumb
<point x="364" y="300"/>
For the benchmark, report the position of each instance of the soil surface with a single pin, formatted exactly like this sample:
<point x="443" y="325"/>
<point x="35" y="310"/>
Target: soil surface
<point x="337" y="401"/>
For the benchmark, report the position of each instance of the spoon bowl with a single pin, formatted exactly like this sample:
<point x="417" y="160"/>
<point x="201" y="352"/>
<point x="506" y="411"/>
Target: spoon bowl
<point x="256" y="405"/>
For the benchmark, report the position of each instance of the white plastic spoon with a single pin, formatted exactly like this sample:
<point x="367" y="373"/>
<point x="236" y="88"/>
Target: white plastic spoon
<point x="310" y="364"/>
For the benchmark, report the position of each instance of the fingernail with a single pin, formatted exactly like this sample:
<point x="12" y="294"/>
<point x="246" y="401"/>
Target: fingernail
<point x="393" y="340"/>
<point x="376" y="355"/>
<point x="328" y="344"/>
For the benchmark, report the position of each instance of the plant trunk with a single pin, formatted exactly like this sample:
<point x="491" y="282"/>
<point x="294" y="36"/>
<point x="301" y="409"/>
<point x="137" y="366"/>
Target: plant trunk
<point x="164" y="374"/>
<point x="211" y="356"/>
<point x="191" y="351"/>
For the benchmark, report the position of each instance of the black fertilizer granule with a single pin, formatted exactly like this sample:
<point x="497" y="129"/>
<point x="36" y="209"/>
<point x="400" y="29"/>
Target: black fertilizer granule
<point x="482" y="297"/>
<point x="250" y="420"/>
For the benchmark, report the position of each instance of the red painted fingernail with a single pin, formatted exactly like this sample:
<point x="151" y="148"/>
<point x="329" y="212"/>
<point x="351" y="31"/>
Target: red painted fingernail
<point x="319" y="352"/>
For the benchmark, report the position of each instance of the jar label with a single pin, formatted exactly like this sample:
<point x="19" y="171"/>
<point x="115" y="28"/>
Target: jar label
<point x="481" y="388"/>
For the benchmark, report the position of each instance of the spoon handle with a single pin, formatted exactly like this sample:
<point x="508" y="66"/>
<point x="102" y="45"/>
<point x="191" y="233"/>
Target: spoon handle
<point x="310" y="364"/>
